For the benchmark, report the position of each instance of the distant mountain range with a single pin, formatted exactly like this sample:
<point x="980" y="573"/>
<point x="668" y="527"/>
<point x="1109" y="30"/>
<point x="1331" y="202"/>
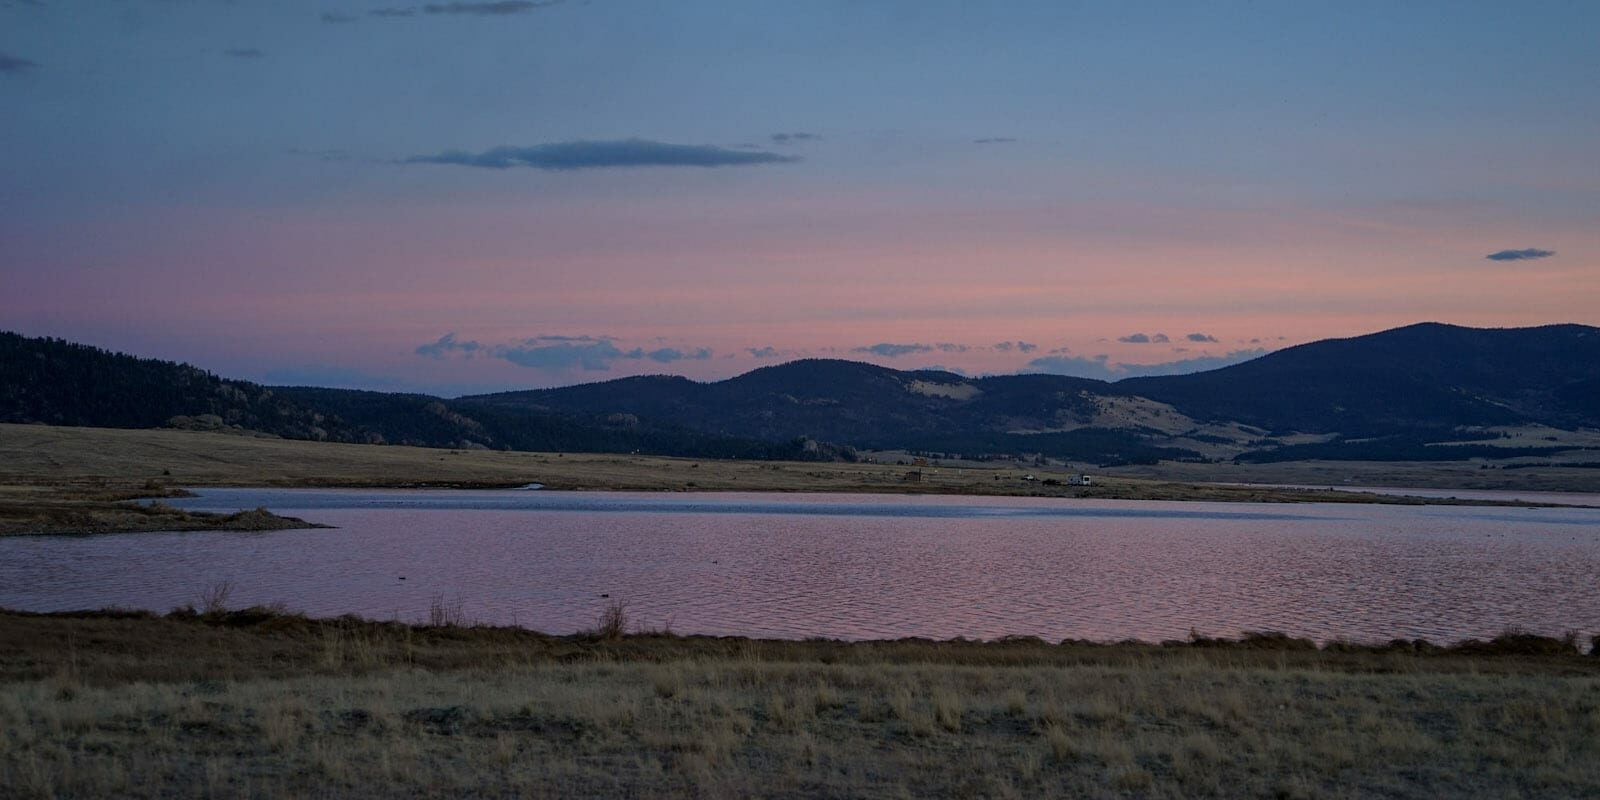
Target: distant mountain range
<point x="1422" y="392"/>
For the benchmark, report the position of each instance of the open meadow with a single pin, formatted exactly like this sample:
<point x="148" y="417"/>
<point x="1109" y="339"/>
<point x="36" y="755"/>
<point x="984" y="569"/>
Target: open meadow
<point x="258" y="703"/>
<point x="35" y="454"/>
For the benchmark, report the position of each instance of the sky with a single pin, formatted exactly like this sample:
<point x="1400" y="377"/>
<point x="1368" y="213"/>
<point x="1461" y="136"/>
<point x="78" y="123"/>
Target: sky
<point x="456" y="197"/>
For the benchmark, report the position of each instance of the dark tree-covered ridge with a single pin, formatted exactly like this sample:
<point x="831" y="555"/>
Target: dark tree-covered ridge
<point x="1384" y="396"/>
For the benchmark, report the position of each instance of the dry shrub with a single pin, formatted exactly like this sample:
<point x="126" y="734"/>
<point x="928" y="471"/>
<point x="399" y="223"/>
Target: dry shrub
<point x="948" y="709"/>
<point x="1060" y="742"/>
<point x="446" y="614"/>
<point x="214" y="601"/>
<point x="613" y="622"/>
<point x="667" y="682"/>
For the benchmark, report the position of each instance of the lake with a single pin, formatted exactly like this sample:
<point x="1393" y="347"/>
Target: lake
<point x="856" y="566"/>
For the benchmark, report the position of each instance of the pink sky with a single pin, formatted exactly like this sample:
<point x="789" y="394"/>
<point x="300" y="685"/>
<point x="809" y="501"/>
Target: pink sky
<point x="271" y="196"/>
<point x="362" y="288"/>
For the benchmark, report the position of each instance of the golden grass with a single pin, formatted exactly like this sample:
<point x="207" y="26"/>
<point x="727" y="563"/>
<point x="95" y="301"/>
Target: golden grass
<point x="466" y="712"/>
<point x="1411" y="474"/>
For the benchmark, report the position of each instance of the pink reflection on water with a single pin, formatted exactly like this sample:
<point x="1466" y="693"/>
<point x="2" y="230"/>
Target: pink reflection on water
<point x="796" y="566"/>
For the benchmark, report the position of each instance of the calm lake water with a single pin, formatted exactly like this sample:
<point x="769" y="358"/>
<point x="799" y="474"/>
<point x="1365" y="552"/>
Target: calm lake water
<point x="861" y="566"/>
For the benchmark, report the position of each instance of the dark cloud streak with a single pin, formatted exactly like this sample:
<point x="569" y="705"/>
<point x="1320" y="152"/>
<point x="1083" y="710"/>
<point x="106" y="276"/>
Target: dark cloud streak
<point x="1006" y="347"/>
<point x="13" y="65"/>
<point x="892" y="350"/>
<point x="584" y="154"/>
<point x="667" y="355"/>
<point x="1103" y="368"/>
<point x="797" y="136"/>
<point x="484" y="9"/>
<point x="501" y="8"/>
<point x="1520" y="255"/>
<point x="589" y="353"/>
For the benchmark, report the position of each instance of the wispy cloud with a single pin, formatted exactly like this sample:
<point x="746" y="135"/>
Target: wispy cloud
<point x="1077" y="366"/>
<point x="321" y="155"/>
<point x="14" y="65"/>
<point x="762" y="352"/>
<point x="1201" y="337"/>
<point x="590" y="353"/>
<point x="1019" y="345"/>
<point x="482" y="9"/>
<point x="446" y="344"/>
<point x="894" y="350"/>
<point x="329" y="376"/>
<point x="797" y="136"/>
<point x="1520" y="255"/>
<point x="337" y="377"/>
<point x="338" y="19"/>
<point x="593" y="356"/>
<point x="994" y="140"/>
<point x="1140" y="338"/>
<point x="667" y="355"/>
<point x="1101" y="366"/>
<point x="584" y="154"/>
<point x="245" y="52"/>
<point x="494" y="9"/>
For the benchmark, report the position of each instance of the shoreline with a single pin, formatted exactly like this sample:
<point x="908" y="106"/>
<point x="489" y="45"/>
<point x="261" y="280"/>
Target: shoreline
<point x="77" y="511"/>
<point x="68" y="510"/>
<point x="64" y="481"/>
<point x="614" y="632"/>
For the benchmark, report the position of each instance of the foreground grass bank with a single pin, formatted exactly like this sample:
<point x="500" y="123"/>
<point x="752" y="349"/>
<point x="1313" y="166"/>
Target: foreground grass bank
<point x="260" y="704"/>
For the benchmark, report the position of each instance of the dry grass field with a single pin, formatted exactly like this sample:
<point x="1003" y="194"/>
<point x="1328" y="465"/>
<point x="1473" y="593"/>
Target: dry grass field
<point x="257" y="704"/>
<point x="99" y="458"/>
<point x="1411" y="474"/>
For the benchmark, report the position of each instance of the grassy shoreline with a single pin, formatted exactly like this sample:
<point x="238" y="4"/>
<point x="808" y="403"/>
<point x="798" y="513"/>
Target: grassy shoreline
<point x="82" y="511"/>
<point x="78" y="480"/>
<point x="258" y="703"/>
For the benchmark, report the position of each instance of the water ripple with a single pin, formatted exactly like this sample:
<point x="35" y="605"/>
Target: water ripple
<point x="797" y="565"/>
